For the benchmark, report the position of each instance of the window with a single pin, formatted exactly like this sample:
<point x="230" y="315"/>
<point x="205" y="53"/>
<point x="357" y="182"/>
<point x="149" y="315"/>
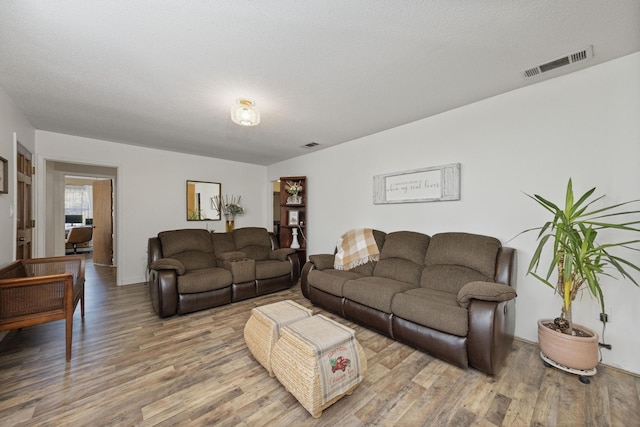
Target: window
<point x="78" y="200"/>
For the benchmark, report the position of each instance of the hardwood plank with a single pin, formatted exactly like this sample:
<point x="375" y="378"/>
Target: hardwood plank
<point x="520" y="410"/>
<point x="498" y="409"/>
<point x="623" y="397"/>
<point x="545" y="411"/>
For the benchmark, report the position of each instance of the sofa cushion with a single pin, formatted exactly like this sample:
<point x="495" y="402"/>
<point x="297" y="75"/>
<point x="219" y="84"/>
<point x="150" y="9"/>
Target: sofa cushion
<point x="469" y="250"/>
<point x="402" y="256"/>
<point x="259" y="253"/>
<point x="365" y="269"/>
<point x="204" y="280"/>
<point x="178" y="241"/>
<point x="252" y="237"/>
<point x="270" y="269"/>
<point x="398" y="269"/>
<point x="375" y="292"/>
<point x="195" y="260"/>
<point x="248" y="236"/>
<point x="331" y="281"/>
<point x="407" y="245"/>
<point x="222" y="242"/>
<point x="485" y="291"/>
<point x="434" y="309"/>
<point x="253" y="241"/>
<point x="449" y="278"/>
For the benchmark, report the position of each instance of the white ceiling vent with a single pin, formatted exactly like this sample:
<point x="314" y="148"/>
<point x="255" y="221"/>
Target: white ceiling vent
<point x="571" y="58"/>
<point x="310" y="145"/>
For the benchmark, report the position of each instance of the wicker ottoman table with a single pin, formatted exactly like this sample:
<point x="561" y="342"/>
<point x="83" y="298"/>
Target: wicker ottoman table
<point x="263" y="328"/>
<point x="318" y="361"/>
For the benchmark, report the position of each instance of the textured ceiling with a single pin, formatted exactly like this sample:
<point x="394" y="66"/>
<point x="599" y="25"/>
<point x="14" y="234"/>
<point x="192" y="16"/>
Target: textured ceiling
<point x="164" y="74"/>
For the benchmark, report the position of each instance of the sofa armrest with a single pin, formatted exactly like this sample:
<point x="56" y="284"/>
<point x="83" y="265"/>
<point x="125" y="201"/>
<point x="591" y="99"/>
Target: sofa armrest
<point x="281" y="254"/>
<point x="304" y="282"/>
<point x="168" y="264"/>
<point x="163" y="291"/>
<point x="490" y="336"/>
<point x="316" y="262"/>
<point x="294" y="259"/>
<point x="242" y="270"/>
<point x="322" y="261"/>
<point x="230" y="257"/>
<point x="485" y="291"/>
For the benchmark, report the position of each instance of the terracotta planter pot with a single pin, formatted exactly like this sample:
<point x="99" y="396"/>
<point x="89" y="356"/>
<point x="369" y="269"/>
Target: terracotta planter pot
<point x="571" y="351"/>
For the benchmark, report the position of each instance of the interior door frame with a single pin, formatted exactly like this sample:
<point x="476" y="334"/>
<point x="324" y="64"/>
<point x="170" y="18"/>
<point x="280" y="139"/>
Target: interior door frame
<point x="24" y="208"/>
<point x="42" y="222"/>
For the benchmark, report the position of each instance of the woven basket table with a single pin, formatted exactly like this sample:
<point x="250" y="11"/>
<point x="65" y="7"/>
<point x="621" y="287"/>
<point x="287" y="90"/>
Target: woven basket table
<point x="262" y="330"/>
<point x="295" y="362"/>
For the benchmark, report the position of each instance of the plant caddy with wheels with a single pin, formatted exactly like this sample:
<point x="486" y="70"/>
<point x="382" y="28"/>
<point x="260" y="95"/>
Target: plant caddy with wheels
<point x="579" y="260"/>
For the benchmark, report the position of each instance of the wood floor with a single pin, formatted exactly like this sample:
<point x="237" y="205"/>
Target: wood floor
<point x="131" y="368"/>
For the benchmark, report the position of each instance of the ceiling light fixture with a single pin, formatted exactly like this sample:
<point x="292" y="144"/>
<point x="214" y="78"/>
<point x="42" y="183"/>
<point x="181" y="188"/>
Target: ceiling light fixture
<point x="245" y="113"/>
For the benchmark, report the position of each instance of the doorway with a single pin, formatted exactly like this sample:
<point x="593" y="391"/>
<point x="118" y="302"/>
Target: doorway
<point x="53" y="202"/>
<point x="88" y="210"/>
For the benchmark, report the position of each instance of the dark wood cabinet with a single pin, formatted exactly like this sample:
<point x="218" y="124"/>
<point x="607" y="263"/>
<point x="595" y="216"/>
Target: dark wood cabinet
<point x="293" y="214"/>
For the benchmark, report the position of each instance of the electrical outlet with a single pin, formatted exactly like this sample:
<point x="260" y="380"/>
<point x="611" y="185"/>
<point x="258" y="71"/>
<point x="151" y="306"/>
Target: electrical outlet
<point x="604" y="317"/>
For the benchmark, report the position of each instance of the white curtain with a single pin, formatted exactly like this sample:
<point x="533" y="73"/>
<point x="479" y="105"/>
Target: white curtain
<point x="78" y="200"/>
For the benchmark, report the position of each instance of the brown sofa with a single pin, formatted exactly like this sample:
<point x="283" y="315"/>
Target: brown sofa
<point x="449" y="295"/>
<point x="193" y="269"/>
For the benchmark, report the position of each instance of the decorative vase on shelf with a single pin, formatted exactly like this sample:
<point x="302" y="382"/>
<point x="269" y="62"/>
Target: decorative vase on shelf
<point x="294" y="188"/>
<point x="294" y="242"/>
<point x="294" y="199"/>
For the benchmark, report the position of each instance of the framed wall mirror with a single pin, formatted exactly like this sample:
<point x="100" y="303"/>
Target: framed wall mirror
<point x="200" y="197"/>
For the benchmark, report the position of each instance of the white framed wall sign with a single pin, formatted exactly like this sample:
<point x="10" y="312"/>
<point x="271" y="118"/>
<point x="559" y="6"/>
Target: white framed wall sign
<point x="432" y="184"/>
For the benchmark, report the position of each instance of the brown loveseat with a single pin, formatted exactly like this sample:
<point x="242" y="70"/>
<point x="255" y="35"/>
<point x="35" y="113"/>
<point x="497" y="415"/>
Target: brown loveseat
<point x="449" y="295"/>
<point x="193" y="269"/>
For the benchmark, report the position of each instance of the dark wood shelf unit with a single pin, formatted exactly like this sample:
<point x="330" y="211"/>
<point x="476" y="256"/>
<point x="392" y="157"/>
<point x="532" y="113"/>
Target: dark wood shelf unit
<point x="286" y="235"/>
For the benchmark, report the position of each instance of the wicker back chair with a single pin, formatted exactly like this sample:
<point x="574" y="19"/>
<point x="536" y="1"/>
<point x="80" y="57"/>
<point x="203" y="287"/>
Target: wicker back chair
<point x="35" y="291"/>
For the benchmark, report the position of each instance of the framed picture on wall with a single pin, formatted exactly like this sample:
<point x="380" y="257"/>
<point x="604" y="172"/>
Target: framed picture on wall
<point x="4" y="176"/>
<point x="293" y="217"/>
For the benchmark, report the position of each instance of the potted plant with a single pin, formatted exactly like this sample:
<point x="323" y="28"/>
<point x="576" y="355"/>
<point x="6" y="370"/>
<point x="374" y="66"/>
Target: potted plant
<point x="578" y="260"/>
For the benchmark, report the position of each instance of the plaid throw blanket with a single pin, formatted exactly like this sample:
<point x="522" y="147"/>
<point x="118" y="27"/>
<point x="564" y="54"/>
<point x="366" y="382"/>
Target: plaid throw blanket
<point x="355" y="247"/>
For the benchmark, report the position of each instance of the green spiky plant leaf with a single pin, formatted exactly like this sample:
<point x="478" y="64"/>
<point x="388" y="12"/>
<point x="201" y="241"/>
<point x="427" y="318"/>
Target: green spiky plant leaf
<point x="578" y="260"/>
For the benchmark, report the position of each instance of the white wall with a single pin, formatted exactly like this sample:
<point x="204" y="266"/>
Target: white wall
<point x="151" y="191"/>
<point x="583" y="125"/>
<point x="12" y="121"/>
